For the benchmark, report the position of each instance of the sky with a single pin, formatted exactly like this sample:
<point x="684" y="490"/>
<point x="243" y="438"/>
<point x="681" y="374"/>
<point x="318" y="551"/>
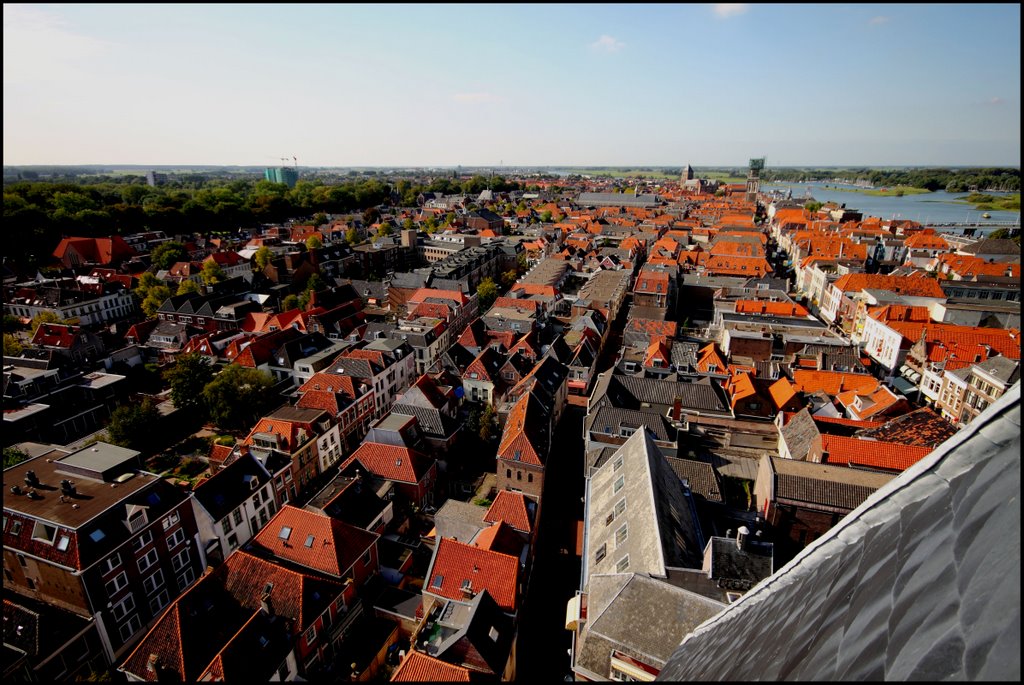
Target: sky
<point x="512" y="85"/>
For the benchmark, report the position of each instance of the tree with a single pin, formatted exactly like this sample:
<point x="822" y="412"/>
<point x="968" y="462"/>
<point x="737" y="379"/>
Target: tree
<point x="131" y="425"/>
<point x="12" y="348"/>
<point x="319" y="219"/>
<point x="812" y="206"/>
<point x="44" y="317"/>
<point x="384" y="229"/>
<point x="238" y="397"/>
<point x="263" y="257"/>
<point x="166" y="255"/>
<point x="487" y="292"/>
<point x="187" y="378"/>
<point x="546" y="216"/>
<point x="156" y="296"/>
<point x="352" y="236"/>
<point x="315" y="283"/>
<point x="408" y="225"/>
<point x="313" y="242"/>
<point x="508" y="278"/>
<point x="212" y="273"/>
<point x="188" y="286"/>
<point x="13" y="456"/>
<point x="289" y="302"/>
<point x="488" y="423"/>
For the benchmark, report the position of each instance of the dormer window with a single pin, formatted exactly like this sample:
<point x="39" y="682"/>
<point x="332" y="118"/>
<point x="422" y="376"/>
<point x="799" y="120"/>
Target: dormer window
<point x="136" y="519"/>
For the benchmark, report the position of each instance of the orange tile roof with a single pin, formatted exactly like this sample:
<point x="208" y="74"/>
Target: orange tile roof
<point x="782" y="391"/>
<point x="919" y="287"/>
<point x="871" y="453"/>
<point x="709" y="357"/>
<point x="881" y="400"/>
<point x="516" y="444"/>
<point x="739" y="386"/>
<point x="773" y="308"/>
<point x="456" y="562"/>
<point x="832" y="382"/>
<point x="393" y="462"/>
<point x="422" y="668"/>
<point x="1004" y="341"/>
<point x="314" y="540"/>
<point x="510" y="507"/>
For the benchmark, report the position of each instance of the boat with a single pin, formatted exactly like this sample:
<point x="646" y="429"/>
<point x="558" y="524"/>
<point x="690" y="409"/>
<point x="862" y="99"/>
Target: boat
<point x="986" y="215"/>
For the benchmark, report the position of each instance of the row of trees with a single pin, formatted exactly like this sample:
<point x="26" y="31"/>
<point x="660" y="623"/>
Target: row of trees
<point x="950" y="180"/>
<point x="41" y="212"/>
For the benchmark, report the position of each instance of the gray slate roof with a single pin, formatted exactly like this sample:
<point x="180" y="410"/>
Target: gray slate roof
<point x="922" y="582"/>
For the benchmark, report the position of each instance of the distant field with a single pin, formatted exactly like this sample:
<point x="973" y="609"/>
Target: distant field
<point x="624" y="172"/>
<point x="985" y="203"/>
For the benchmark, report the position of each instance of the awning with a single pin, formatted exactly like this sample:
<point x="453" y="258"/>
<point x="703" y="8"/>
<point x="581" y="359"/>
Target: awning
<point x="633" y="668"/>
<point x="914" y="376"/>
<point x="572" y="613"/>
<point x="904" y="370"/>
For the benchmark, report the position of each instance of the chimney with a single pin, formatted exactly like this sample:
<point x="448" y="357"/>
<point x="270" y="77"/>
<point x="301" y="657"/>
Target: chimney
<point x="677" y="408"/>
<point x="741" y="537"/>
<point x="266" y="606"/>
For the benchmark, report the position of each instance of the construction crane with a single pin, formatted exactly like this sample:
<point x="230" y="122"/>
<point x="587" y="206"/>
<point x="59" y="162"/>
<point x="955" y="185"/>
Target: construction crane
<point x="296" y="159"/>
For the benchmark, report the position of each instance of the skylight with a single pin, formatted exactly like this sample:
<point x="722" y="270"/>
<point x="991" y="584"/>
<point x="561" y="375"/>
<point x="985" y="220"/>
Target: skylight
<point x="285" y="532"/>
<point x="97" y="535"/>
<point x="438" y="579"/>
<point x="309" y="541"/>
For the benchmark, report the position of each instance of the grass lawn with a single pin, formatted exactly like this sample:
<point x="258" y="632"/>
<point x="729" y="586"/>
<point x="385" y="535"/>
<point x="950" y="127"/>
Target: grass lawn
<point x="984" y="203"/>
<point x="895" y="191"/>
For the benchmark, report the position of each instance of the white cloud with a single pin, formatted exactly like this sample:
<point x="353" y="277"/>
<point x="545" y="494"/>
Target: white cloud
<point x="876" y="21"/>
<point x="476" y="98"/>
<point x="996" y="101"/>
<point x="607" y="44"/>
<point x="726" y="10"/>
<point x="39" y="46"/>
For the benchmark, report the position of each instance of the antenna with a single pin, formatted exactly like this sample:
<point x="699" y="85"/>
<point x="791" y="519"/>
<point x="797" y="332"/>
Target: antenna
<point x="296" y="160"/>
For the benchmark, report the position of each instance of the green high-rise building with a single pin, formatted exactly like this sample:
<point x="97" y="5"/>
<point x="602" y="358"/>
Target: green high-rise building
<point x="282" y="174"/>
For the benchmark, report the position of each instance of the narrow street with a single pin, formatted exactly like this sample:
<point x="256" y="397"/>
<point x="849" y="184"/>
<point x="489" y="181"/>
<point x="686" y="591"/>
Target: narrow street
<point x="543" y="640"/>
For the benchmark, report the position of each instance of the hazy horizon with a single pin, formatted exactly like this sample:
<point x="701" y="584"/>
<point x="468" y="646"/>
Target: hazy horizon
<point x="512" y="86"/>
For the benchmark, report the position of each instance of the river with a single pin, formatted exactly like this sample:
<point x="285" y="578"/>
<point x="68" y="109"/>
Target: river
<point x="926" y="208"/>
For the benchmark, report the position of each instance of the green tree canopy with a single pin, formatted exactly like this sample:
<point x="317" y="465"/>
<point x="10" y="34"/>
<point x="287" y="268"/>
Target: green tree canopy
<point x="155" y="297"/>
<point x="262" y="257"/>
<point x="488" y="423"/>
<point x="319" y="219"/>
<point x="212" y="272"/>
<point x="508" y="278"/>
<point x="238" y="397"/>
<point x="131" y="425"/>
<point x="166" y="255"/>
<point x="352" y="236"/>
<point x="46" y="316"/>
<point x="187" y="378"/>
<point x="13" y="456"/>
<point x="188" y="286"/>
<point x="12" y="347"/>
<point x="487" y="292"/>
<point x="289" y="302"/>
<point x="313" y="242"/>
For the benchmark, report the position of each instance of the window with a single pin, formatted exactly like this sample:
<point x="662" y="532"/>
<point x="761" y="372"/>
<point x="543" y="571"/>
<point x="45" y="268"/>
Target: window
<point x="43" y="533"/>
<point x="175" y="538"/>
<point x="158" y="602"/>
<point x="310" y="635"/>
<point x="63" y="542"/>
<point x="141" y="541"/>
<point x="237" y="516"/>
<point x="110" y="563"/>
<point x="131" y="627"/>
<point x="367" y="558"/>
<point x="602" y="551"/>
<point x="620" y="536"/>
<point x="180" y="560"/>
<point x="519" y="475"/>
<point x="618" y="464"/>
<point x="622" y="565"/>
<point x="171" y="520"/>
<point x="619" y="483"/>
<point x="620" y="507"/>
<point x="186" y="578"/>
<point x="153" y="582"/>
<point x="529" y="477"/>
<point x="508" y="473"/>
<point x="117" y="583"/>
<point x="232" y="541"/>
<point x="147" y="560"/>
<point x="122" y="608"/>
<point x="15" y="527"/>
<point x="137" y="521"/>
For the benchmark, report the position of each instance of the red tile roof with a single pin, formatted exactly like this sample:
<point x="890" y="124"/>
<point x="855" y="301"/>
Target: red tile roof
<point x="56" y="335"/>
<point x="772" y="308"/>
<point x="456" y="562"/>
<point x="510" y="507"/>
<point x="314" y="540"/>
<point x="782" y="392"/>
<point x="890" y="456"/>
<point x="918" y="287"/>
<point x="832" y="382"/>
<point x="422" y="668"/>
<point x="393" y="462"/>
<point x="516" y="443"/>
